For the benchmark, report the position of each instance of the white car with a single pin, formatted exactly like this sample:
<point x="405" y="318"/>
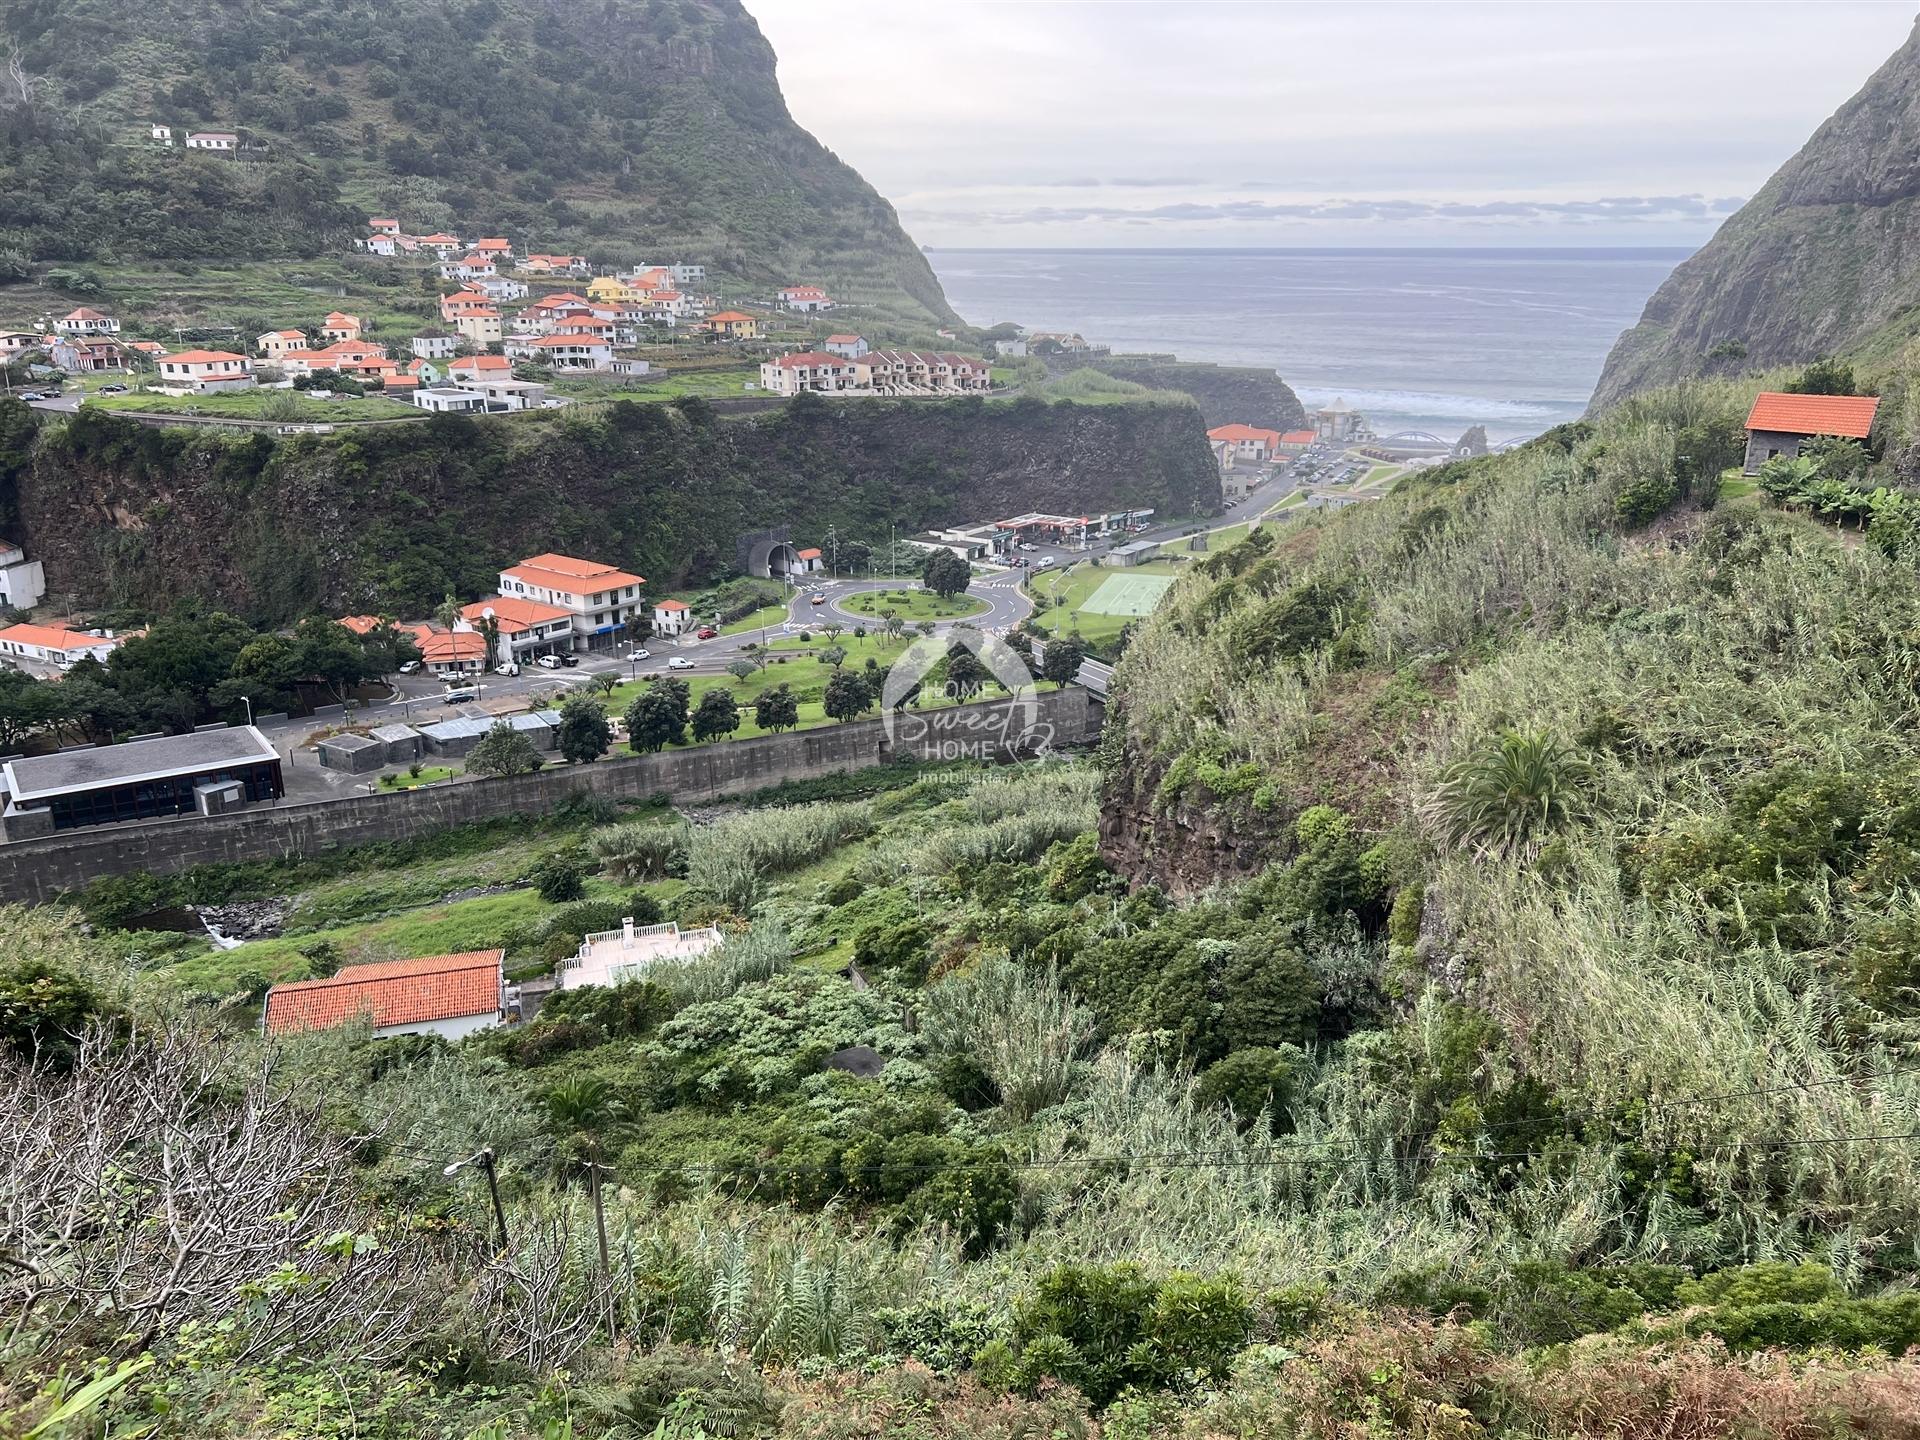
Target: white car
<point x="1045" y="562"/>
<point x="508" y="669"/>
<point x="548" y="662"/>
<point x="407" y="667"/>
<point x="679" y="662"/>
<point x="641" y="654"/>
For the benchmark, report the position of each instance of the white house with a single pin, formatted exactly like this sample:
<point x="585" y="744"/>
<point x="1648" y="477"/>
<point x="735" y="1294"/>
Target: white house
<point x="22" y="581"/>
<point x="382" y="225"/>
<point x="805" y="298"/>
<point x="601" y="598"/>
<point x="385" y="245"/>
<point x="435" y="345"/>
<point x="809" y="561"/>
<point x="446" y="995"/>
<point x="503" y="395"/>
<point x="161" y="133"/>
<point x="671" y="617"/>
<point x="471" y="267"/>
<point x="444" y="245"/>
<point x="449" y="400"/>
<point x="86" y="321"/>
<point x="565" y="352"/>
<point x="57" y="645"/>
<point x="15" y="343"/>
<point x="498" y="288"/>
<point x="275" y="344"/>
<point x="848" y="347"/>
<point x="221" y="140"/>
<point x="206" y="372"/>
<point x="611" y="956"/>
<point x="807" y="370"/>
<point x="482" y="327"/>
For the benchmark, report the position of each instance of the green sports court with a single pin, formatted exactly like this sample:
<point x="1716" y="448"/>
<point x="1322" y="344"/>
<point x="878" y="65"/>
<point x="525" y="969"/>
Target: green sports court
<point x="1130" y="595"/>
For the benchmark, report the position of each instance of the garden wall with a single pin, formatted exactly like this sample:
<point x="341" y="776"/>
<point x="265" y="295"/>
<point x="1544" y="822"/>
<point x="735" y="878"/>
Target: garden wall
<point x="38" y="870"/>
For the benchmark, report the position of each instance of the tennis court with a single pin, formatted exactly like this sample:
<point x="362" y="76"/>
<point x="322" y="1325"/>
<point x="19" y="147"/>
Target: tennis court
<point x="1128" y="594"/>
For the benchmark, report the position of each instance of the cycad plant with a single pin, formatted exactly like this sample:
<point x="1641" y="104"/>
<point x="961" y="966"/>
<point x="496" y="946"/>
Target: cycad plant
<point x="1511" y="791"/>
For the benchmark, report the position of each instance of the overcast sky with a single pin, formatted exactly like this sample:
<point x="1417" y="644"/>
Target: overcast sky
<point x="1163" y="122"/>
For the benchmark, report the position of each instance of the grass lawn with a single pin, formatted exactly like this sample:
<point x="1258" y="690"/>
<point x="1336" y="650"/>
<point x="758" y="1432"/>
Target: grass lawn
<point x="427" y="776"/>
<point x="713" y="384"/>
<point x="805" y="674"/>
<point x="253" y="405"/>
<point x="770" y="615"/>
<point x="917" y="604"/>
<point x="1074" y="588"/>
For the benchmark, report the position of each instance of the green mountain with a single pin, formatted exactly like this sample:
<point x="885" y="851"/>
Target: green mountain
<point x="627" y="130"/>
<point x="1824" y="260"/>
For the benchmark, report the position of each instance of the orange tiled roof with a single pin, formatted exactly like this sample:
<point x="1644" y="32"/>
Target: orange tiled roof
<point x="203" y="357"/>
<point x="512" y="613"/>
<point x="808" y="357"/>
<point x="361" y="624"/>
<point x="475" y="364"/>
<point x="1243" y="432"/>
<point x="448" y="647"/>
<point x="670" y="605"/>
<point x="1297" y="437"/>
<point x="728" y="317"/>
<point x="54" y="637"/>
<point x="809" y="554"/>
<point x="396" y="992"/>
<point x="571" y="576"/>
<point x="1847" y="415"/>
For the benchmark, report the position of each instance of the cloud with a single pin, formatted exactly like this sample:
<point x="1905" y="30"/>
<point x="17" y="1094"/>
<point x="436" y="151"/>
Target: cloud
<point x="1614" y="208"/>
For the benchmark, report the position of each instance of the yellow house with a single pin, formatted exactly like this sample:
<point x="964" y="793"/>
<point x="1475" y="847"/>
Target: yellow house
<point x="276" y="343"/>
<point x="733" y="325"/>
<point x="482" y="327"/>
<point x="611" y="290"/>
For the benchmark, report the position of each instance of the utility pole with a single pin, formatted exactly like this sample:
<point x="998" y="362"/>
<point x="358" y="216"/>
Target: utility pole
<point x="482" y="1159"/>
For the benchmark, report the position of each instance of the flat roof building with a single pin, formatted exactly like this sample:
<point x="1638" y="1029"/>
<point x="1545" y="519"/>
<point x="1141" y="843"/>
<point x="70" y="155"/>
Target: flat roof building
<point x="611" y="956"/>
<point x="205" y="773"/>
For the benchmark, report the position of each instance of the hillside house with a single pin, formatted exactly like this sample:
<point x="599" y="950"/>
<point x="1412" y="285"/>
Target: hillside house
<point x="568" y="265"/>
<point x="469" y="267"/>
<point x="807" y="370"/>
<point x="613" y="290"/>
<point x="340" y="326"/>
<point x="480" y="367"/>
<point x="276" y="343"/>
<point x="205" y="372"/>
<point x="498" y="288"/>
<point x="58" y="645"/>
<point x="687" y="274"/>
<point x="79" y="355"/>
<point x="564" y="352"/>
<point x="448" y="400"/>
<point x="805" y="298"/>
<point x="507" y="394"/>
<point x="160" y="134"/>
<point x="86" y="321"/>
<point x="810" y="561"/>
<point x="443" y="245"/>
<point x="848" y="347"/>
<point x="1296" y="442"/>
<point x="385" y="246"/>
<point x="22" y="581"/>
<point x="382" y="225"/>
<point x="732" y="325"/>
<point x="668" y="305"/>
<point x="461" y="302"/>
<point x="921" y="372"/>
<point x="147" y="349"/>
<point x="671" y="617"/>
<point x="613" y="957"/>
<point x="602" y="599"/>
<point x="224" y="142"/>
<point x="434" y="345"/>
<point x="1779" y="424"/>
<point x="1247" y="442"/>
<point x="15" y="343"/>
<point x="497" y="249"/>
<point x="480" y="328"/>
<point x="446" y="995"/>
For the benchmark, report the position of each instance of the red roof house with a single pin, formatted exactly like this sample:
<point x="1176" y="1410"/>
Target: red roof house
<point x="1778" y="423"/>
<point x="450" y="995"/>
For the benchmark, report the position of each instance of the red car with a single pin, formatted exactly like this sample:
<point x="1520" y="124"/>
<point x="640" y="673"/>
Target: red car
<point x="706" y="632"/>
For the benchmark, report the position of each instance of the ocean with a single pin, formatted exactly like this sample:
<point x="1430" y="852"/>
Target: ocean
<point x="1431" y="340"/>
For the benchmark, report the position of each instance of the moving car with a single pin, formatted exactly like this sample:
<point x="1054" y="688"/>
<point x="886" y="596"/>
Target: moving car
<point x="570" y="661"/>
<point x="461" y="693"/>
<point x="816" y="598"/>
<point x="548" y="662"/>
<point x="705" y="632"/>
<point x="407" y="667"/>
<point x="113" y="389"/>
<point x="679" y="662"/>
<point x="507" y="669"/>
<point x="1044" y="563"/>
<point x="641" y="654"/>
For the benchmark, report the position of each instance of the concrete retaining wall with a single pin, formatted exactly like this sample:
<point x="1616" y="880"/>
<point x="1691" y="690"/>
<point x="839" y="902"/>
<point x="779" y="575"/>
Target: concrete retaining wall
<point x="37" y="870"/>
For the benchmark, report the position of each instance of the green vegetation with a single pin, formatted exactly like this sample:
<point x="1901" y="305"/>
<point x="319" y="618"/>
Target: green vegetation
<point x="914" y="605"/>
<point x="1090" y="387"/>
<point x="1060" y="603"/>
<point x="272" y="406"/>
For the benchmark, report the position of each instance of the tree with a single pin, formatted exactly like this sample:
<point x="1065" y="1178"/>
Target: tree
<point x="855" y="555"/>
<point x="945" y="573"/>
<point x="1062" y="662"/>
<point x="741" y="669"/>
<point x="966" y="676"/>
<point x="833" y="629"/>
<point x="447" y="611"/>
<point x="560" y="877"/>
<point x="1825" y="376"/>
<point x="584" y="731"/>
<point x="26" y="705"/>
<point x="717" y="715"/>
<point x="654" y="720"/>
<point x="387" y="649"/>
<point x="833" y="655"/>
<point x="776" y="710"/>
<point x="847" y="695"/>
<point x="603" y="682"/>
<point x="503" y="750"/>
<point x="891" y="622"/>
<point x="753" y="655"/>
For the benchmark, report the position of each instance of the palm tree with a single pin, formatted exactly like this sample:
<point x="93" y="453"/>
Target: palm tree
<point x="1510" y="790"/>
<point x="585" y="1107"/>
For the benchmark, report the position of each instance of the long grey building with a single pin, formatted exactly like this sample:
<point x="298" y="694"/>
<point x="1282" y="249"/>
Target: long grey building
<point x="205" y="773"/>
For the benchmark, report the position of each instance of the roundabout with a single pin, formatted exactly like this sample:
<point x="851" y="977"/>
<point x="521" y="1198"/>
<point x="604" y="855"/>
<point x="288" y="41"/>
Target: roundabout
<point x="911" y="605"/>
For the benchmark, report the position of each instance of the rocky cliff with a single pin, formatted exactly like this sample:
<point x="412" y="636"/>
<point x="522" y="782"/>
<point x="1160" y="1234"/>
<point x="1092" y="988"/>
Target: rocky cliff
<point x="1226" y="394"/>
<point x="393" y="518"/>
<point x="1824" y="260"/>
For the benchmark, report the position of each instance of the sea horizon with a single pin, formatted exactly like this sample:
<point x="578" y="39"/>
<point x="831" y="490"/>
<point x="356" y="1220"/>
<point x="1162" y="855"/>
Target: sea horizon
<point x="1433" y="339"/>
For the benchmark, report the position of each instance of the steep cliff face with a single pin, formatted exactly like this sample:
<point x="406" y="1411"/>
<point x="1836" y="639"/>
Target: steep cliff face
<point x="1226" y="394"/>
<point x="394" y="518"/>
<point x="1824" y="260"/>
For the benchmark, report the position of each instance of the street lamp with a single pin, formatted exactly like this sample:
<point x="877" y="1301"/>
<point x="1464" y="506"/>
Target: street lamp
<point x="247" y="700"/>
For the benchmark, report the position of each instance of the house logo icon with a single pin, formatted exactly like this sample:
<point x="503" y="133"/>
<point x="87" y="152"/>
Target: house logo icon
<point x="926" y="679"/>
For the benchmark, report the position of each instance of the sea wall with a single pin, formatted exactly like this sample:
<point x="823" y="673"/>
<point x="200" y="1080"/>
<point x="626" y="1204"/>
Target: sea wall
<point x="39" y="870"/>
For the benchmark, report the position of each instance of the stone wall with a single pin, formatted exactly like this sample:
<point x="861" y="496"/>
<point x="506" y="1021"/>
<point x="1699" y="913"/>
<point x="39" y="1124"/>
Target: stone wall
<point x="38" y="870"/>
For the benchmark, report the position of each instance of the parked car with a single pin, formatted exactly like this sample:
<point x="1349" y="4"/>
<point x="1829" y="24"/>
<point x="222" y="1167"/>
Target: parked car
<point x="408" y="667"/>
<point x="113" y="389"/>
<point x="679" y="662"/>
<point x="641" y="654"/>
<point x="1025" y="546"/>
<point x="548" y="662"/>
<point x="706" y="632"/>
<point x="569" y="661"/>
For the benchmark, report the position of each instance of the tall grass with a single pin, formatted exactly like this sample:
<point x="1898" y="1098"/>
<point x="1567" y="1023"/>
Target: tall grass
<point x="1023" y="1029"/>
<point x="642" y="850"/>
<point x="732" y="859"/>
